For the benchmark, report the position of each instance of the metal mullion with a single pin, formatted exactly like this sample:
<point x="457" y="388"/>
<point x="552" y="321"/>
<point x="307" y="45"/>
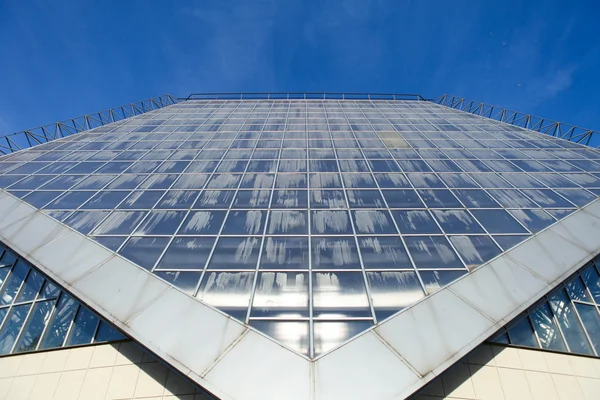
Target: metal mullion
<point x="311" y="336"/>
<point x="217" y="239"/>
<point x="129" y="236"/>
<point x="358" y="251"/>
<point x="267" y="217"/>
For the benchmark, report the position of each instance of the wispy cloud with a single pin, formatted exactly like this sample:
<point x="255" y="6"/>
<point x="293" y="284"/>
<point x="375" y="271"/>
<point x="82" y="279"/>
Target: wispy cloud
<point x="552" y="84"/>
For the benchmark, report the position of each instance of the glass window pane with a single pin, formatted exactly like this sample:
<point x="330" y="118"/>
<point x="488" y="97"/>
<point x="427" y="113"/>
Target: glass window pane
<point x="591" y="322"/>
<point x="120" y="223"/>
<point x="84" y="327"/>
<point x="187" y="281"/>
<point x="498" y="221"/>
<point x="244" y="222"/>
<point x="474" y="198"/>
<point x="592" y="281"/>
<point x="177" y="199"/>
<point x="534" y="220"/>
<point x="392" y="291"/>
<point x="287" y="223"/>
<point x="293" y="334"/>
<point x="339" y="295"/>
<point x="161" y="223"/>
<point x="569" y="323"/>
<point x="435" y="280"/>
<point x="285" y="253"/>
<point x="475" y="250"/>
<point x="70" y="200"/>
<point x="142" y="200"/>
<point x="546" y="329"/>
<point x="228" y="291"/>
<point x="457" y="221"/>
<point x="327" y="199"/>
<point x="202" y="223"/>
<point x="13" y="283"/>
<point x="281" y="295"/>
<point x="547" y="198"/>
<point x="235" y="253"/>
<point x="384" y="252"/>
<point x="144" y="251"/>
<point x="252" y="199"/>
<point x="60" y="323"/>
<point x="439" y="199"/>
<point x="290" y="199"/>
<point x="365" y="198"/>
<point x="12" y="326"/>
<point x="432" y="252"/>
<point x="186" y="253"/>
<point x="373" y="221"/>
<point x="214" y="199"/>
<point x="402" y="199"/>
<point x="31" y="288"/>
<point x="106" y="333"/>
<point x="415" y="222"/>
<point x="35" y="326"/>
<point x="521" y="333"/>
<point x="329" y="334"/>
<point x="330" y="222"/>
<point x="110" y="242"/>
<point x="334" y="253"/>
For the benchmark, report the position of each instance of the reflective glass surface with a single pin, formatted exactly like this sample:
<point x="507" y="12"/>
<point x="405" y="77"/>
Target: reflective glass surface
<point x="567" y="319"/>
<point x="369" y="204"/>
<point x="35" y="313"/>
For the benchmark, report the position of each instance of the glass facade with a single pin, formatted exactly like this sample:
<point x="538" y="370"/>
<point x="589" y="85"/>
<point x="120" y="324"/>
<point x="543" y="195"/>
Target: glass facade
<point x="36" y="314"/>
<point x="567" y="320"/>
<point x="310" y="220"/>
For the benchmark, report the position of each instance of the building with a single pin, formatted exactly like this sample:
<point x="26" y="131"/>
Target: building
<point x="291" y="246"/>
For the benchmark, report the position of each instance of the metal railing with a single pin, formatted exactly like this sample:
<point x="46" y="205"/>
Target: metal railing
<point x="560" y="130"/>
<point x="46" y="133"/>
<point x="303" y="96"/>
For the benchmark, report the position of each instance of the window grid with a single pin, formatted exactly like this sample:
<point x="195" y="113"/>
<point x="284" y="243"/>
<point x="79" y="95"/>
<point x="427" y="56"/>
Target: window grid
<point x="588" y="337"/>
<point x="231" y="150"/>
<point x="27" y="333"/>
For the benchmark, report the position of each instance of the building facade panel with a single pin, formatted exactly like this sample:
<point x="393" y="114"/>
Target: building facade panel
<point x="508" y="373"/>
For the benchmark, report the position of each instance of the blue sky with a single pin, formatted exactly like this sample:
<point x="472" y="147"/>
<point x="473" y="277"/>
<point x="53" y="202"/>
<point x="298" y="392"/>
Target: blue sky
<point x="62" y="59"/>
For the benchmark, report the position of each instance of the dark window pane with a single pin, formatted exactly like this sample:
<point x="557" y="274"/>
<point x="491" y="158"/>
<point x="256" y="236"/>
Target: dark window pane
<point x="285" y="253"/>
<point x="521" y="333"/>
<point x="61" y="320"/>
<point x="235" y="253"/>
<point x="281" y="295"/>
<point x="83" y="328"/>
<point x="144" y="251"/>
<point x="186" y="253"/>
<point x="187" y="281"/>
<point x="393" y="291"/>
<point x="35" y="326"/>
<point x="12" y="326"/>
